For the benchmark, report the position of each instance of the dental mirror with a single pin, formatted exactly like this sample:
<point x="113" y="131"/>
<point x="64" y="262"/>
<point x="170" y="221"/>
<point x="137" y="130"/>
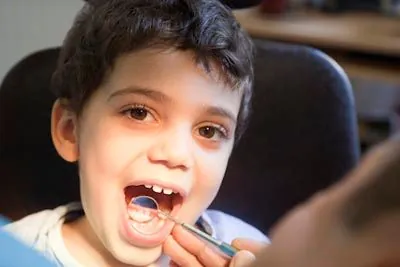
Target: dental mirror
<point x="148" y="227"/>
<point x="145" y="202"/>
<point x="147" y="221"/>
<point x="150" y="203"/>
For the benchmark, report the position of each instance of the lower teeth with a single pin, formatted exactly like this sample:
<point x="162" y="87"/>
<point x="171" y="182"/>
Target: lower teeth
<point x="144" y="221"/>
<point x="140" y="215"/>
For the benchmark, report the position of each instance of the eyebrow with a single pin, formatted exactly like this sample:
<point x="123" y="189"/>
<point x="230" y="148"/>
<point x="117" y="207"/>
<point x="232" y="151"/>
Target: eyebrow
<point x="150" y="93"/>
<point x="218" y="111"/>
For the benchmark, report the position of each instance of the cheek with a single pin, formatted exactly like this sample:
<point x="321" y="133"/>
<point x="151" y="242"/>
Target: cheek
<point x="208" y="174"/>
<point x="106" y="153"/>
<point x="210" y="171"/>
<point x="109" y="150"/>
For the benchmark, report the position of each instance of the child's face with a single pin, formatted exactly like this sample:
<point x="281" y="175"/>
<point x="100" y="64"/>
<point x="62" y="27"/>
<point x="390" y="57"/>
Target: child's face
<point x="160" y="120"/>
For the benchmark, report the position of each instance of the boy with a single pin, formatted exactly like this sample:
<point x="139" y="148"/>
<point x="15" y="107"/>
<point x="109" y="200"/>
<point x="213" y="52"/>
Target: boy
<point x="354" y="223"/>
<point x="152" y="96"/>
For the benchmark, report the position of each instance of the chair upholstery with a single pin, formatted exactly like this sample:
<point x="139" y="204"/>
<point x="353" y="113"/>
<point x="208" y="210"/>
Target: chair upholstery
<point x="32" y="175"/>
<point x="301" y="137"/>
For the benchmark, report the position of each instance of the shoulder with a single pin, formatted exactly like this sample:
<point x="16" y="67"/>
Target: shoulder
<point x="228" y="227"/>
<point x="32" y="228"/>
<point x="28" y="228"/>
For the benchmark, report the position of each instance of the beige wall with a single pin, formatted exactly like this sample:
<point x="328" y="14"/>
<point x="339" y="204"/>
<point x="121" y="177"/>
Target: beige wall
<point x="30" y="25"/>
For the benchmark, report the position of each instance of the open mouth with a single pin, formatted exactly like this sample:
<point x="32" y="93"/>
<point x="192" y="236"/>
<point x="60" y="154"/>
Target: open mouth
<point x="145" y="220"/>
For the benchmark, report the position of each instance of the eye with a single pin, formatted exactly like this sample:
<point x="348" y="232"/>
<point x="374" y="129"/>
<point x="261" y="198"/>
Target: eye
<point x="214" y="133"/>
<point x="138" y="112"/>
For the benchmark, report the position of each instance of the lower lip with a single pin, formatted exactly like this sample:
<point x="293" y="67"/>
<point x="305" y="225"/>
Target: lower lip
<point x="138" y="239"/>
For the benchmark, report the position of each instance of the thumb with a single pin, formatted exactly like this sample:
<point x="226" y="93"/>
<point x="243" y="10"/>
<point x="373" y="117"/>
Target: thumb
<point x="243" y="258"/>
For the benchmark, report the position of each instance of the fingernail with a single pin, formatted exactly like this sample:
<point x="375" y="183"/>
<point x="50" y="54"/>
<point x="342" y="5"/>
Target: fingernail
<point x="243" y="258"/>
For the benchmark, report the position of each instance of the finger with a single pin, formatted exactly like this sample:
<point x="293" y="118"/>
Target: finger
<point x="173" y="264"/>
<point x="204" y="253"/>
<point x="242" y="258"/>
<point x="249" y="244"/>
<point x="179" y="256"/>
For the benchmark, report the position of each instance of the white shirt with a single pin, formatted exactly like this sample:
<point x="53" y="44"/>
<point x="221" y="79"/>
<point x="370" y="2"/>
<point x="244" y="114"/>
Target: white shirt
<point x="42" y="231"/>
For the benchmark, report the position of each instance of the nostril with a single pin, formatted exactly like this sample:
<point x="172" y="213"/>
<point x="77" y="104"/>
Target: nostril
<point x="172" y="154"/>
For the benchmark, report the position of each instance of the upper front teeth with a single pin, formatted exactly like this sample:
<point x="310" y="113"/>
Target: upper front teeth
<point x="159" y="189"/>
<point x="167" y="191"/>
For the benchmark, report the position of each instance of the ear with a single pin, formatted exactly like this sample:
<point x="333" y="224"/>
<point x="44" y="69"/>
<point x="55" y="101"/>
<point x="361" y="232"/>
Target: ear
<point x="64" y="131"/>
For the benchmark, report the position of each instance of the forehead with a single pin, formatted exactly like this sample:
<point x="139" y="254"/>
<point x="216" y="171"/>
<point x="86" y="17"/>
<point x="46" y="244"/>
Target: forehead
<point x="173" y="72"/>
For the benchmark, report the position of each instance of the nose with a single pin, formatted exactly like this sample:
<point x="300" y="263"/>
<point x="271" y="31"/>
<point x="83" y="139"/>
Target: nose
<point x="174" y="149"/>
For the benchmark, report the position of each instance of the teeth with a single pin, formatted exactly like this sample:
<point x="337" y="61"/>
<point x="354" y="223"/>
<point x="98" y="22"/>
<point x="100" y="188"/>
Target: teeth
<point x="140" y="215"/>
<point x="157" y="189"/>
<point x="167" y="191"/>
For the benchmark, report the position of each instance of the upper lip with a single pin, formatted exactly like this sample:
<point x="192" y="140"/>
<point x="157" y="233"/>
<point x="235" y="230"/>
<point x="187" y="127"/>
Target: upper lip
<point x="164" y="184"/>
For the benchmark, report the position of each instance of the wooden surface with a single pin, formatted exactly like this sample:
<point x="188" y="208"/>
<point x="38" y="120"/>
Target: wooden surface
<point x="367" y="32"/>
<point x="338" y="35"/>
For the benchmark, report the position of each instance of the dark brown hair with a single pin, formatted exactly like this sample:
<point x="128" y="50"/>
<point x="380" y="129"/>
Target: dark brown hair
<point x="106" y="29"/>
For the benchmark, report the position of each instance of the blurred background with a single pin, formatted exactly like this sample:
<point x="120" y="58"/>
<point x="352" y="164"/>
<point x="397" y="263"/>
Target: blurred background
<point x="363" y="36"/>
<point x="29" y="26"/>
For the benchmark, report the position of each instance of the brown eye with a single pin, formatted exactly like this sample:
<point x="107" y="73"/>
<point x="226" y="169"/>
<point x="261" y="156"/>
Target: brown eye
<point x="138" y="113"/>
<point x="207" y="132"/>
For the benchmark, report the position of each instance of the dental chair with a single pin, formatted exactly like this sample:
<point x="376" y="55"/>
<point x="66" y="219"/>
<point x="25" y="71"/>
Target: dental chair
<point x="32" y="175"/>
<point x="301" y="138"/>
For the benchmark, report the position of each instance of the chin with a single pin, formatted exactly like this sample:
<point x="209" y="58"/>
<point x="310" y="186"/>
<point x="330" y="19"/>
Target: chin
<point x="138" y="256"/>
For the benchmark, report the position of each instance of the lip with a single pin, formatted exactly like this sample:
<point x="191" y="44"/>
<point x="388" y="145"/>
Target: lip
<point x="138" y="239"/>
<point x="176" y="188"/>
